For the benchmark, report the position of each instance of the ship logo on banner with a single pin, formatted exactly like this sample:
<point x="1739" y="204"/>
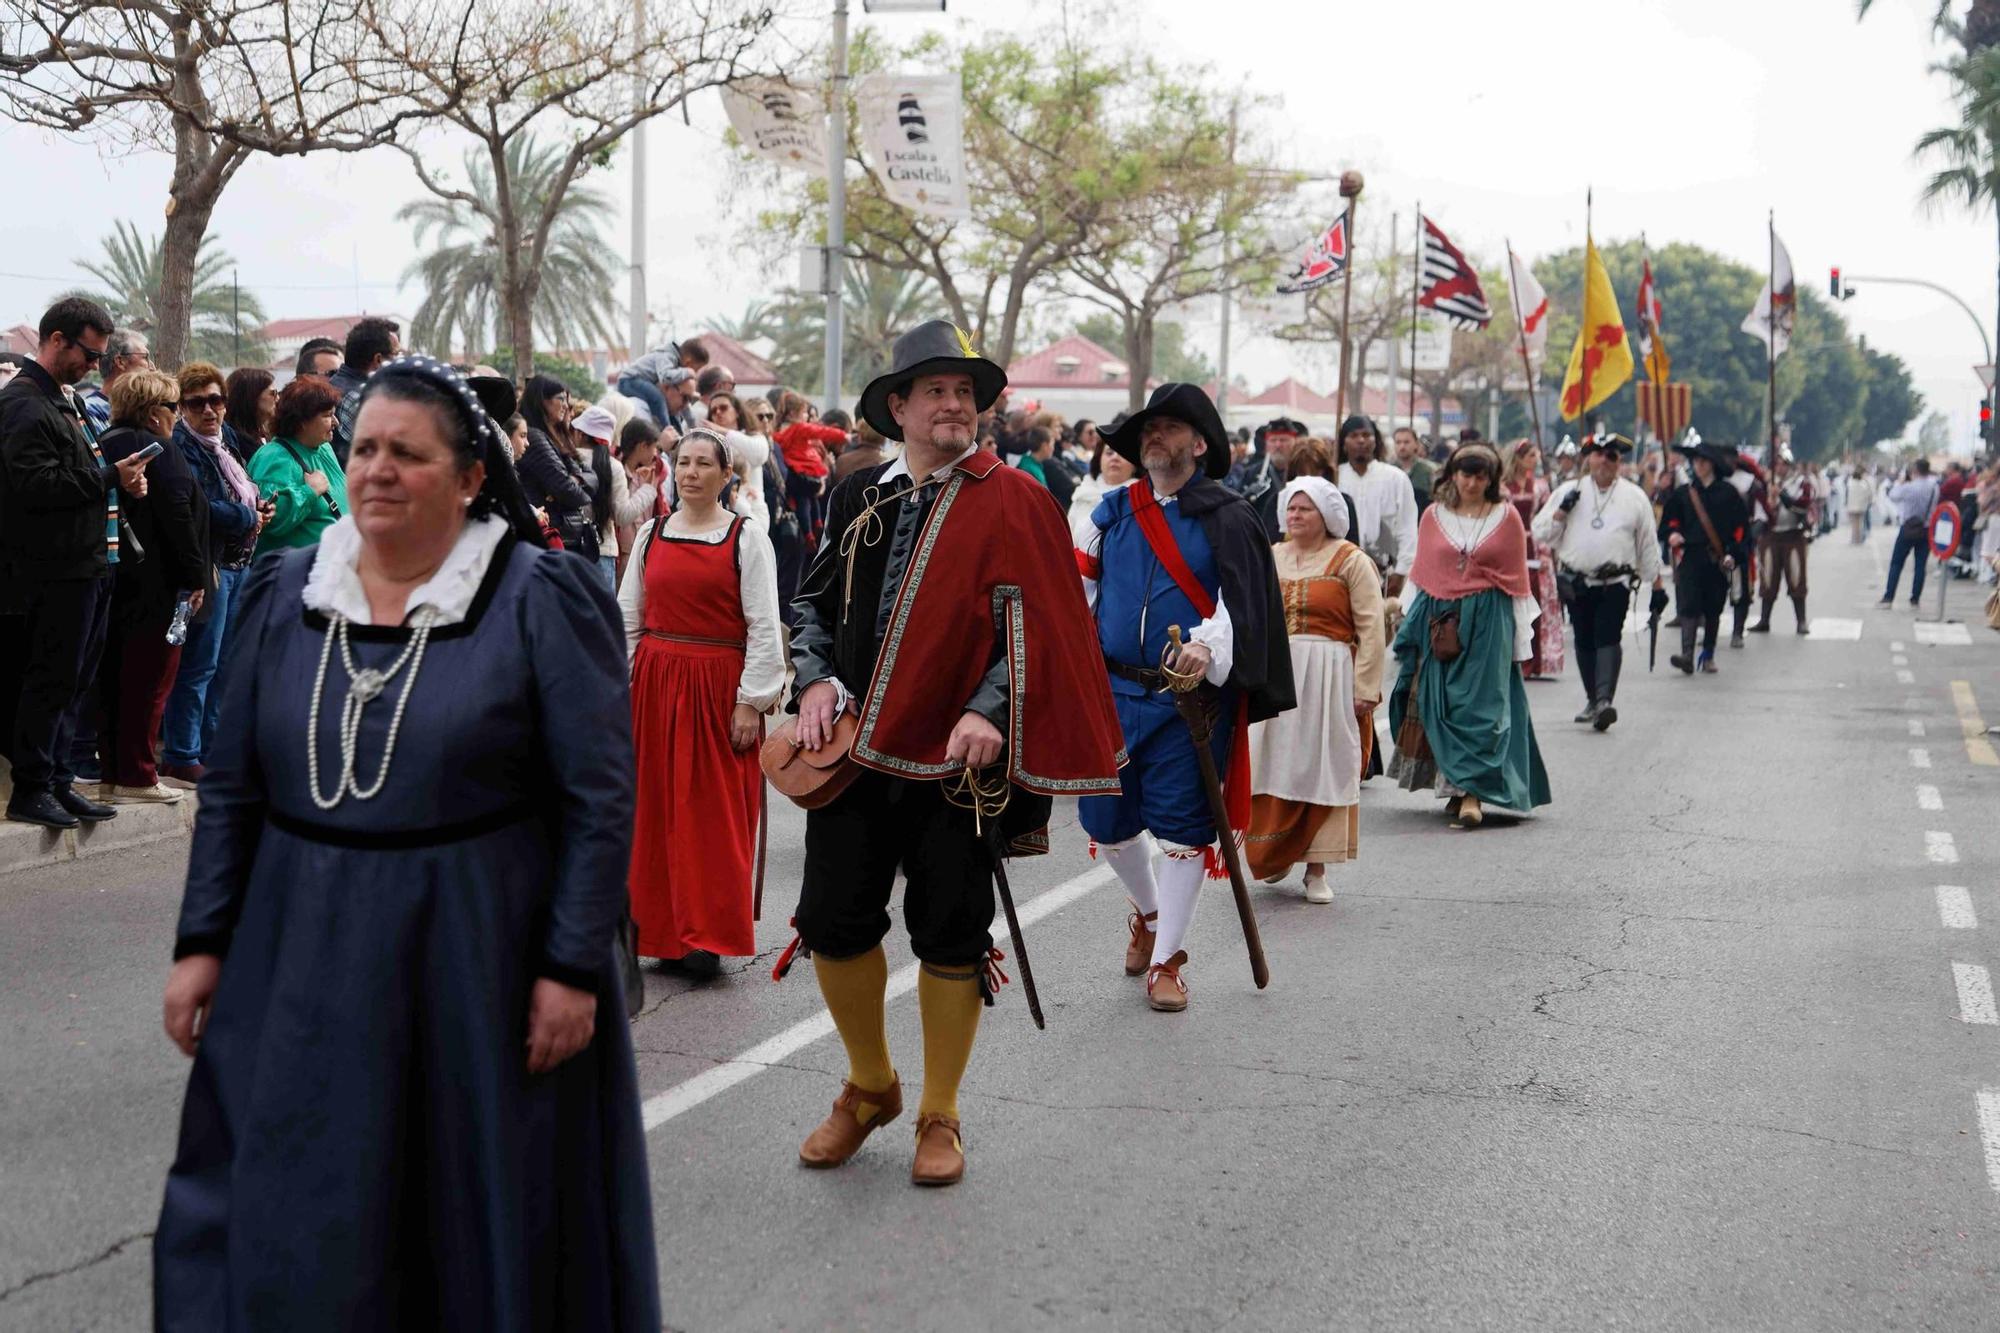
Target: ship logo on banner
<point x="913" y="127"/>
<point x="777" y="122"/>
<point x="1324" y="259"/>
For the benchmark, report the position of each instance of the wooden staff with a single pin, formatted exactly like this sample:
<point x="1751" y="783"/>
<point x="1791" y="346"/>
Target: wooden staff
<point x="1521" y="328"/>
<point x="1350" y="190"/>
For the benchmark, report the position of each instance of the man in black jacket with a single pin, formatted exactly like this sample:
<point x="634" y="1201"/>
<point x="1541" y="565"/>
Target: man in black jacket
<point x="372" y="342"/>
<point x="58" y="541"/>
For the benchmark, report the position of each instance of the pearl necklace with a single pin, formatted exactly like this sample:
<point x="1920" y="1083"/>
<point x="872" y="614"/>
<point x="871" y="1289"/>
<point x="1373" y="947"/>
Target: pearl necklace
<point x="364" y="685"/>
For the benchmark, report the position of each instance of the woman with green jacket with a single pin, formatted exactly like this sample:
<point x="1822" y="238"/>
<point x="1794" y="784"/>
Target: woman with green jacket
<point x="297" y="470"/>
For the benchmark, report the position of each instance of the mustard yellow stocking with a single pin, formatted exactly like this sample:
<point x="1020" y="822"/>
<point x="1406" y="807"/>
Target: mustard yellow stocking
<point x="856" y="991"/>
<point x="949" y="1002"/>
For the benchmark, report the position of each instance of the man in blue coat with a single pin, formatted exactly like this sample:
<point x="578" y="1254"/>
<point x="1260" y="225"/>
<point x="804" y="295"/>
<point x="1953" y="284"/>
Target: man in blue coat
<point x="1178" y="549"/>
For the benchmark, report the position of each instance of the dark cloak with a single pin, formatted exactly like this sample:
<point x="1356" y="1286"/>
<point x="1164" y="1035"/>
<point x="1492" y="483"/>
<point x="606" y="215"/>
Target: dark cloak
<point x="1263" y="654"/>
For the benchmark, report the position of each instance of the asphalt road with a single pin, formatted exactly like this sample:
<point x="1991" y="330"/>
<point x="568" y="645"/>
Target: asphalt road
<point x="1700" y="1046"/>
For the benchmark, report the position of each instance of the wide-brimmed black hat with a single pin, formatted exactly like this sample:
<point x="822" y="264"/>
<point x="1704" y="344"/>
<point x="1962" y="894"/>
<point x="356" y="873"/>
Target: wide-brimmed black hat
<point x="937" y="348"/>
<point x="1721" y="455"/>
<point x="1181" y="402"/>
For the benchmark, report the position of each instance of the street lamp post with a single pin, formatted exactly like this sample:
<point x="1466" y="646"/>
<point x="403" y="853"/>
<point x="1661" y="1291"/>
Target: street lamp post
<point x="1841" y="292"/>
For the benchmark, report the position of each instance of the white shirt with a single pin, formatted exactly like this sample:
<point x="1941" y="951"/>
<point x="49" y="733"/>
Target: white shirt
<point x="763" y="682"/>
<point x="1626" y="538"/>
<point x="334" y="585"/>
<point x="901" y="467"/>
<point x="1385" y="511"/>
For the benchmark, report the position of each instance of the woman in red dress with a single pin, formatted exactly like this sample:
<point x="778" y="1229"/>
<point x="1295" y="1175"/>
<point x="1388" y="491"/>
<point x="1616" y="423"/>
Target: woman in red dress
<point x="700" y="600"/>
<point x="1528" y="490"/>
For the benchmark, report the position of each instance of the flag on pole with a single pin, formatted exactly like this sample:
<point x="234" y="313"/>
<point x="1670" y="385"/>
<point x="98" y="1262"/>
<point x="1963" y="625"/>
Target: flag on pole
<point x="1601" y="361"/>
<point x="1323" y="260"/>
<point x="1450" y="286"/>
<point x="913" y="126"/>
<point x="1531" y="308"/>
<point x="779" y="122"/>
<point x="1652" y="346"/>
<point x="1779" y="297"/>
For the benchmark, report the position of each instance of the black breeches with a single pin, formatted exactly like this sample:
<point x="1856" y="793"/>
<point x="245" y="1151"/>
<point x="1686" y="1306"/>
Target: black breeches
<point x="855" y="846"/>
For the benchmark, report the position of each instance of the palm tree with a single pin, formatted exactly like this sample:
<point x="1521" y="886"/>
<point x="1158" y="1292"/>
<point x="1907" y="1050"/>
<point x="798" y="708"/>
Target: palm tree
<point x="1979" y="29"/>
<point x="879" y="305"/>
<point x="574" y="305"/>
<point x="226" y="319"/>
<point x="1968" y="153"/>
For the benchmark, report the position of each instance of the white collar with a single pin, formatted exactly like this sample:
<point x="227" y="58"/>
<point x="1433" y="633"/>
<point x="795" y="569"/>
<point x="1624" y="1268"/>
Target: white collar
<point x="901" y="467"/>
<point x="334" y="585"/>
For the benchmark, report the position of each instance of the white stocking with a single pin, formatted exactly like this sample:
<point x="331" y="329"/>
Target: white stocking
<point x="1181" y="874"/>
<point x="1133" y="860"/>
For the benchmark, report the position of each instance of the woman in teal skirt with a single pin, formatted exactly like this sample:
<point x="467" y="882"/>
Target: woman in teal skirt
<point x="1471" y="738"/>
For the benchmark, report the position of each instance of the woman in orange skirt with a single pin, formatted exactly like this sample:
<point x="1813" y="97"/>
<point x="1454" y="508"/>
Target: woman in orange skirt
<point x="700" y="600"/>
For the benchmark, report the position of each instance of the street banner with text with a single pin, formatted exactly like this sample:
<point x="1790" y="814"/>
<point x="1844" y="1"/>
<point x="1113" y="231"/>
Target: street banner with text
<point x="913" y="128"/>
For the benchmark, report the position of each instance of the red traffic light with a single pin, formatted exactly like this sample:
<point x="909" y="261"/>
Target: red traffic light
<point x="1985" y="416"/>
<point x="1833" y="283"/>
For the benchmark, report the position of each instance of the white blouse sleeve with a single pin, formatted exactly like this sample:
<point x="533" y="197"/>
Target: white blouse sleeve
<point x="763" y="682"/>
<point x="1526" y="609"/>
<point x="632" y="594"/>
<point x="1218" y="635"/>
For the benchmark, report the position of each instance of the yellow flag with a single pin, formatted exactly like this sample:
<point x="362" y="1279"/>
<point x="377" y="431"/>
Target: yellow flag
<point x="1602" y="356"/>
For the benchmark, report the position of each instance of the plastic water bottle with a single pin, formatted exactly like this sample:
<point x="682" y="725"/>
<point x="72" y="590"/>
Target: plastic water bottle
<point x="177" y="633"/>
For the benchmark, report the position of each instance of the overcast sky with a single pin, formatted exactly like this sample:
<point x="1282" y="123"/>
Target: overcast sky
<point x="1690" y="117"/>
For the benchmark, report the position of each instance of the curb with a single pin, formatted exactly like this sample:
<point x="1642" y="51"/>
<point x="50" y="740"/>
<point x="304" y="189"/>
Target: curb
<point x="29" y="847"/>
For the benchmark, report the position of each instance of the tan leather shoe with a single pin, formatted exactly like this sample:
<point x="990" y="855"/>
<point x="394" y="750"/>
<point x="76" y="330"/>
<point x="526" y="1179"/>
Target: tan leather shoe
<point x="1139" y="951"/>
<point x="1165" y="990"/>
<point x="1470" y="814"/>
<point x="842" y="1133"/>
<point x="940" y="1156"/>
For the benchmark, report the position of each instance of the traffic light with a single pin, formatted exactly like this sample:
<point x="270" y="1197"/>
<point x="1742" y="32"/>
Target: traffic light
<point x="1985" y="420"/>
<point x="1833" y="285"/>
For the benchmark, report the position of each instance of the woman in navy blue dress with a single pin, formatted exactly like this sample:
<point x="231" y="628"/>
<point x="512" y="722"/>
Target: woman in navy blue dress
<point x="413" y="1102"/>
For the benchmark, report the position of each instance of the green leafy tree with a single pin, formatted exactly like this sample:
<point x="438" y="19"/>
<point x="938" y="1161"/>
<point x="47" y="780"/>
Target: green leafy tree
<point x="1968" y="152"/>
<point x="224" y="319"/>
<point x="461" y="276"/>
<point x="576" y="377"/>
<point x="1893" y="401"/>
<point x="1174" y="357"/>
<point x="1934" y="436"/>
<point x="1036" y="111"/>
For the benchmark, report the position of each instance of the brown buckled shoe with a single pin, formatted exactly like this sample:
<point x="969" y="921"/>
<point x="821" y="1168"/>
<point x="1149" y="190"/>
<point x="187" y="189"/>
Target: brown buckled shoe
<point x="842" y="1133"/>
<point x="940" y="1156"/>
<point x="1165" y="990"/>
<point x="1139" y="952"/>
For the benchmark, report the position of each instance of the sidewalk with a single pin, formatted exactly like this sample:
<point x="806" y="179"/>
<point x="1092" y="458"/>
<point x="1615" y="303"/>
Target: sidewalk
<point x="28" y="847"/>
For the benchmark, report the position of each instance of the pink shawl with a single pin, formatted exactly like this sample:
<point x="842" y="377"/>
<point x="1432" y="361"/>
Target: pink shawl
<point x="1500" y="561"/>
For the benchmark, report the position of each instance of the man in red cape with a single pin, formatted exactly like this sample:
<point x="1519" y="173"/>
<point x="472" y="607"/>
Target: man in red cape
<point x="943" y="609"/>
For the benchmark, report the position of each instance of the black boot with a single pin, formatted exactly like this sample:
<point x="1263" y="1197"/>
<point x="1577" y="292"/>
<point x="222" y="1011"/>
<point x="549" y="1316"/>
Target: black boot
<point x="1763" y="625"/>
<point x="1799" y="607"/>
<point x="1609" y="662"/>
<point x="1586" y="666"/>
<point x="1684" y="659"/>
<point x="39" y="807"/>
<point x="89" y="811"/>
<point x="1740" y="615"/>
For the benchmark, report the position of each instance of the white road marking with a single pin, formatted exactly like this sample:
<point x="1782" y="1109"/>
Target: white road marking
<point x="1917" y="727"/>
<point x="1906" y="678"/>
<point x="1950" y="634"/>
<point x="1899" y="660"/>
<point x="1919" y="757"/>
<point x="1975" y="994"/>
<point x="684" y="1097"/>
<point x="1835" y="629"/>
<point x="1939" y="849"/>
<point x="1896" y="645"/>
<point x="1989" y="1130"/>
<point x="1928" y="797"/>
<point x="1955" y="908"/>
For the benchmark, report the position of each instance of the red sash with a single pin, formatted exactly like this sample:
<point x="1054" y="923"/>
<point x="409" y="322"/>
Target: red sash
<point x="1152" y="522"/>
